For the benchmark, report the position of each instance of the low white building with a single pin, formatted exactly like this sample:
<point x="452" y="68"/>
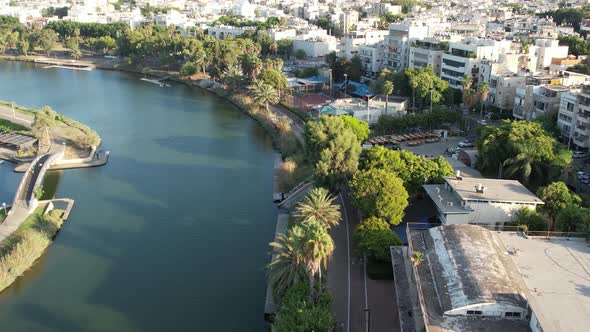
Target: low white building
<point x="315" y="43"/>
<point x="225" y="31"/>
<point x="464" y="200"/>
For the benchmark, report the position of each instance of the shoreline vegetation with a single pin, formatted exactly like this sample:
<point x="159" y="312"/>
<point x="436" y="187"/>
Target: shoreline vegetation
<point x="20" y="251"/>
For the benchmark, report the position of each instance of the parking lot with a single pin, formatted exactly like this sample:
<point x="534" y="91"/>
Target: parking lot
<point x="434" y="149"/>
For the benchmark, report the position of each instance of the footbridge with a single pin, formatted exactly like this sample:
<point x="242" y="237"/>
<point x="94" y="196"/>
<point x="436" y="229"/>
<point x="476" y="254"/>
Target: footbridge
<point x="33" y="179"/>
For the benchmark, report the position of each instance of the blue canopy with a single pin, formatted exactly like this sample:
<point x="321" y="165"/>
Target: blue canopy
<point x="329" y="110"/>
<point x="360" y="89"/>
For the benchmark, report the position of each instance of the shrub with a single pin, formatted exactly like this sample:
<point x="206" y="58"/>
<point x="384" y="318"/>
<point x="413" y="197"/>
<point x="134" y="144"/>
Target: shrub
<point x="23" y="255"/>
<point x="298" y="313"/>
<point x="188" y="69"/>
<point x="531" y="219"/>
<point x="373" y="237"/>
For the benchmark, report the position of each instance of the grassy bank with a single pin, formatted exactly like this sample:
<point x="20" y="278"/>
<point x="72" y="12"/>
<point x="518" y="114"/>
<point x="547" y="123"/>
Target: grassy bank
<point x="6" y="125"/>
<point x="22" y="248"/>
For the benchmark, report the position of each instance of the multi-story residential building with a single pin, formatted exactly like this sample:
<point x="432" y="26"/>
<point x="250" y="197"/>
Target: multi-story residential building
<point x="574" y="118"/>
<point x="544" y="50"/>
<point x="503" y="87"/>
<point x="398" y="43"/>
<point x="315" y="43"/>
<point x="466" y="57"/>
<point x="427" y="52"/>
<point x="546" y="99"/>
<point x="371" y="57"/>
<point x="352" y="41"/>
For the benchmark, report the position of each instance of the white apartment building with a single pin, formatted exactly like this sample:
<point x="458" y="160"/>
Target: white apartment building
<point x="544" y="51"/>
<point x="352" y="41"/>
<point x="225" y="31"/>
<point x="427" y="52"/>
<point x="466" y="58"/>
<point x="315" y="43"/>
<point x="371" y="57"/>
<point x="534" y="100"/>
<point x="574" y="118"/>
<point x="279" y="34"/>
<point x="398" y="43"/>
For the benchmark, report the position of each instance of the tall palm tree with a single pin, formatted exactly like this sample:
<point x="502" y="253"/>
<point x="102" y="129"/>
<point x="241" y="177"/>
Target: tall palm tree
<point x="232" y="76"/>
<point x="318" y="206"/>
<point x="264" y="94"/>
<point x="467" y="92"/>
<point x="387" y="90"/>
<point x="484" y="89"/>
<point x="273" y="47"/>
<point x="525" y="162"/>
<point x="288" y="265"/>
<point x="201" y="60"/>
<point x="319" y="246"/>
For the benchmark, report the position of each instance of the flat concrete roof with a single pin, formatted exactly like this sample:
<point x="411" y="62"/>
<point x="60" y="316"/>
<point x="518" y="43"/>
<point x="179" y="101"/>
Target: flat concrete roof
<point x="557" y="275"/>
<point x="445" y="201"/>
<point x="495" y="190"/>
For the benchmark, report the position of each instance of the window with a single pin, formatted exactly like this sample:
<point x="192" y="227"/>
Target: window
<point x="512" y="314"/>
<point x="474" y="312"/>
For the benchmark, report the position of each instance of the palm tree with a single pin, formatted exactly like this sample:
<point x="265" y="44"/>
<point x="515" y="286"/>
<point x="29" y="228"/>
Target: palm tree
<point x="200" y="58"/>
<point x="484" y="89"/>
<point x="417" y="258"/>
<point x="274" y="47"/>
<point x="318" y="206"/>
<point x="264" y="94"/>
<point x="467" y="92"/>
<point x="232" y="76"/>
<point x="525" y="163"/>
<point x="287" y="266"/>
<point x="76" y="53"/>
<point x="387" y="89"/>
<point x="319" y="246"/>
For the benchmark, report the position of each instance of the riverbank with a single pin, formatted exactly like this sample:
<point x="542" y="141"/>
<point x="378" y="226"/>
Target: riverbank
<point x="26" y="245"/>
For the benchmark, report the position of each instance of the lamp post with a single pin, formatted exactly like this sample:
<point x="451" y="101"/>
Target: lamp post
<point x="345" y="82"/>
<point x="368" y="319"/>
<point x="4" y="207"/>
<point x="430" y="110"/>
<point x="13" y="111"/>
<point x="331" y="90"/>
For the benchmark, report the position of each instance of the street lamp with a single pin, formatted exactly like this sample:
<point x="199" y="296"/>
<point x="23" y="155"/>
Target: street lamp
<point x="4" y="207"/>
<point x="368" y="318"/>
<point x="345" y="82"/>
<point x="331" y="90"/>
<point x="13" y="111"/>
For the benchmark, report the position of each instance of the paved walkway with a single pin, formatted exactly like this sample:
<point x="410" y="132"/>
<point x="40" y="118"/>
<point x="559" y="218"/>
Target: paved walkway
<point x="21" y="119"/>
<point x="11" y="223"/>
<point x="352" y="290"/>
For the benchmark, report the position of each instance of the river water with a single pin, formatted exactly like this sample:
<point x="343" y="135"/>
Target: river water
<point x="172" y="234"/>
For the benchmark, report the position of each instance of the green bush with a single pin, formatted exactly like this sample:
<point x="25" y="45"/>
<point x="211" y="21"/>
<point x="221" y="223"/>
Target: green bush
<point x="373" y="237"/>
<point x="300" y="313"/>
<point x="531" y="219"/>
<point x="188" y="69"/>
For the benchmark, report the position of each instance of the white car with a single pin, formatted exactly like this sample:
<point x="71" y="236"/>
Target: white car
<point x="466" y="144"/>
<point x="579" y="154"/>
<point x="483" y="122"/>
<point x="581" y="173"/>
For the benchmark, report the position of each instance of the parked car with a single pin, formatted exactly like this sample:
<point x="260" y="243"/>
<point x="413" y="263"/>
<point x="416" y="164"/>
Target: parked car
<point x="584" y="180"/>
<point x="483" y="122"/>
<point x="466" y="144"/>
<point x="580" y="173"/>
<point x="579" y="154"/>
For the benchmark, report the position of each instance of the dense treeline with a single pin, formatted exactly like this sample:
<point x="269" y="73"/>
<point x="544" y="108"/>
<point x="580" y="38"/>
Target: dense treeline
<point x="66" y="29"/>
<point x="571" y="16"/>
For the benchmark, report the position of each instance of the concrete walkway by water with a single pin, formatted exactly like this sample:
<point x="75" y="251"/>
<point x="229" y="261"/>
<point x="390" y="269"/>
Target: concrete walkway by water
<point x="21" y="119"/>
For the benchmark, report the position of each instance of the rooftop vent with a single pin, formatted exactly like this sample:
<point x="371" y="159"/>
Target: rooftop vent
<point x="480" y="189"/>
<point x="458" y="175"/>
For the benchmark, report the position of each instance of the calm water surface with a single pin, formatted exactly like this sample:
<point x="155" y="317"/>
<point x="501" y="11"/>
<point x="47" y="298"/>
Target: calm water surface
<point x="171" y="235"/>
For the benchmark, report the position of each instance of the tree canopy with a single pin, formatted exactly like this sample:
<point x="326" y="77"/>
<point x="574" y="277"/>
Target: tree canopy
<point x="577" y="46"/>
<point x="332" y="148"/>
<point x="360" y="128"/>
<point x="522" y="148"/>
<point x="414" y="170"/>
<point x="298" y="313"/>
<point x="373" y="237"/>
<point x="380" y="193"/>
<point x="556" y="197"/>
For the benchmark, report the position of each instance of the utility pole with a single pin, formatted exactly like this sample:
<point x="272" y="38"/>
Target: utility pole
<point x="331" y="89"/>
<point x="345" y="83"/>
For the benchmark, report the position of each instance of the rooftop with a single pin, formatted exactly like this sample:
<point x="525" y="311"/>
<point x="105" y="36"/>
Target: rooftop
<point x="494" y="190"/>
<point x="557" y="275"/>
<point x="446" y="201"/>
<point x="470" y="266"/>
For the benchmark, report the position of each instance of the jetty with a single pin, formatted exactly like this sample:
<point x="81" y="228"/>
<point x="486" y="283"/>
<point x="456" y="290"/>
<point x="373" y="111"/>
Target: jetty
<point x="159" y="81"/>
<point x="66" y="64"/>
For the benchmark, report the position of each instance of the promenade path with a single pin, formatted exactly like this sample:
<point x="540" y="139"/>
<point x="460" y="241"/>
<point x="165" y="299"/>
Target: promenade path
<point x="352" y="290"/>
<point x="21" y="119"/>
